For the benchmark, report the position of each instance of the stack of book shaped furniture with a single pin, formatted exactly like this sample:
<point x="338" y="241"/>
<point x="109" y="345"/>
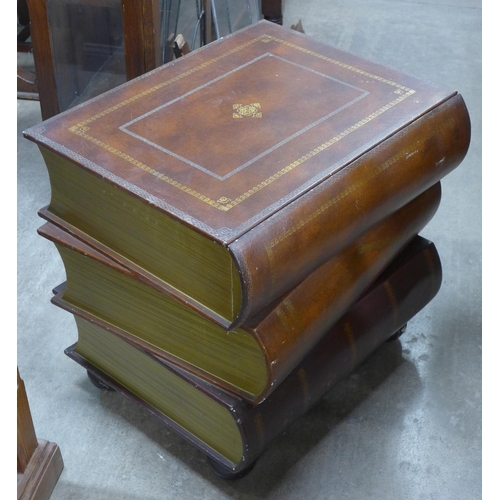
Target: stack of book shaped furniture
<point x="240" y="228"/>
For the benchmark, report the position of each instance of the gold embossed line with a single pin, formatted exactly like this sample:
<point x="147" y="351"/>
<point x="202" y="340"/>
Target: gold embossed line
<point x="312" y="153"/>
<point x="338" y="63"/>
<point x="337" y="198"/>
<point x="82" y="132"/>
<point x="146" y="168"/>
<point x="81" y="129"/>
<point x="283" y="236"/>
<point x="166" y="83"/>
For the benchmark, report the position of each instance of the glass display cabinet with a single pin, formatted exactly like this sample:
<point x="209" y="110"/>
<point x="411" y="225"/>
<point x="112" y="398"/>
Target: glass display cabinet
<point x="82" y="48"/>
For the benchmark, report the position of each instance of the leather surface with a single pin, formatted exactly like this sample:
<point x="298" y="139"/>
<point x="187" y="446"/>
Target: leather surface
<point x="287" y="247"/>
<point x="406" y="286"/>
<point x="232" y="133"/>
<point x="289" y="328"/>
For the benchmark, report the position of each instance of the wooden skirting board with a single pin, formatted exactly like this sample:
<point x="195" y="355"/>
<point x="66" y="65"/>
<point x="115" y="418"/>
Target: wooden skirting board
<point x="39" y="462"/>
<point x="41" y="475"/>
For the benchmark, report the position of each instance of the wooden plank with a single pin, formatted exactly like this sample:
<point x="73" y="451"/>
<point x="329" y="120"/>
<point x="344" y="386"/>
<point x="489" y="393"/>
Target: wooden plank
<point x="151" y="34"/>
<point x="42" y="53"/>
<point x="28" y="96"/>
<point x="141" y="36"/>
<point x="133" y="38"/>
<point x="39" y="462"/>
<point x="26" y="436"/>
<point x="41" y="474"/>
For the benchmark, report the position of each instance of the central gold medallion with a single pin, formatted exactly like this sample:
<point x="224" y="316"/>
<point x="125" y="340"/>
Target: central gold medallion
<point x="251" y="110"/>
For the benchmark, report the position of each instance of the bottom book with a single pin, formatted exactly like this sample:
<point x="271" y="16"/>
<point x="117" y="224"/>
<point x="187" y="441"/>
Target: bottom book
<point x="231" y="432"/>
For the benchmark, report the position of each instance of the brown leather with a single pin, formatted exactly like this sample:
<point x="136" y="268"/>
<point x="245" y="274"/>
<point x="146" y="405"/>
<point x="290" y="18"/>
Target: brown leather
<point x="185" y="110"/>
<point x="288" y="329"/>
<point x="270" y="143"/>
<point x="406" y="286"/>
<point x="289" y="245"/>
<point x="295" y="324"/>
<point x="411" y="283"/>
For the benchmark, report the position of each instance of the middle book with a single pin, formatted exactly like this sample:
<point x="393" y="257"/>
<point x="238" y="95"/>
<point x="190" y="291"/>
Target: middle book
<point x="252" y="360"/>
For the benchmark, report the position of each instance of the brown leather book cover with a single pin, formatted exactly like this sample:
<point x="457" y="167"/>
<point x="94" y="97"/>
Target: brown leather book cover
<point x="406" y="286"/>
<point x="284" y="332"/>
<point x="277" y="147"/>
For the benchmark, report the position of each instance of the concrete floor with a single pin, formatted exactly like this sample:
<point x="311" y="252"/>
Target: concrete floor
<point x="406" y="425"/>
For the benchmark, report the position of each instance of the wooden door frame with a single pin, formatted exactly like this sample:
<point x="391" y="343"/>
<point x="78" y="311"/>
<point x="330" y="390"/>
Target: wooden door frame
<point x="141" y="33"/>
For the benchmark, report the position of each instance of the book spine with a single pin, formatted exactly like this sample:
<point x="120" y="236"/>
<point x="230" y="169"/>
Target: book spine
<point x="389" y="304"/>
<point x="306" y="313"/>
<point x="279" y="253"/>
<point x="290" y="328"/>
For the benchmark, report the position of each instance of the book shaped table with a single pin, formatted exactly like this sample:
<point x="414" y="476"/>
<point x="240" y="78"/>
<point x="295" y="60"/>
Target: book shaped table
<point x="221" y="217"/>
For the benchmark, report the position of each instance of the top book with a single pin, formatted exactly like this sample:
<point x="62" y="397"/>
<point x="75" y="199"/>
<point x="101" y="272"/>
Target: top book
<point x="233" y="172"/>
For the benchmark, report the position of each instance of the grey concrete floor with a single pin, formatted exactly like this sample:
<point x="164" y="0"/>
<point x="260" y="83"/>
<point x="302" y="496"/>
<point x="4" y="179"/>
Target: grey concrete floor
<point x="406" y="425"/>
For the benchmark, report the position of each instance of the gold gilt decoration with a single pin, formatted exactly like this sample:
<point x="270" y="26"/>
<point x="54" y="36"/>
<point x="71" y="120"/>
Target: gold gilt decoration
<point x="331" y="203"/>
<point x="240" y="111"/>
<point x="250" y="110"/>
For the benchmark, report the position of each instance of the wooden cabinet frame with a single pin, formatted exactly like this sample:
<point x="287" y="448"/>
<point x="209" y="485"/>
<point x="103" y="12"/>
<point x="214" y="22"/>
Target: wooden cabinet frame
<point x="141" y="43"/>
<point x="39" y="462"/>
<point x="141" y="33"/>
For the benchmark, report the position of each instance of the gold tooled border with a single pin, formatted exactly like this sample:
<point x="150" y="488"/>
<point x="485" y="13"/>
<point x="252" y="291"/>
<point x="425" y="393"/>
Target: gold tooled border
<point x="81" y="129"/>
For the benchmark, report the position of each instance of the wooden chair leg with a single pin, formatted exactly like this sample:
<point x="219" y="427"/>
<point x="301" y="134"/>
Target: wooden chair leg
<point x="272" y="10"/>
